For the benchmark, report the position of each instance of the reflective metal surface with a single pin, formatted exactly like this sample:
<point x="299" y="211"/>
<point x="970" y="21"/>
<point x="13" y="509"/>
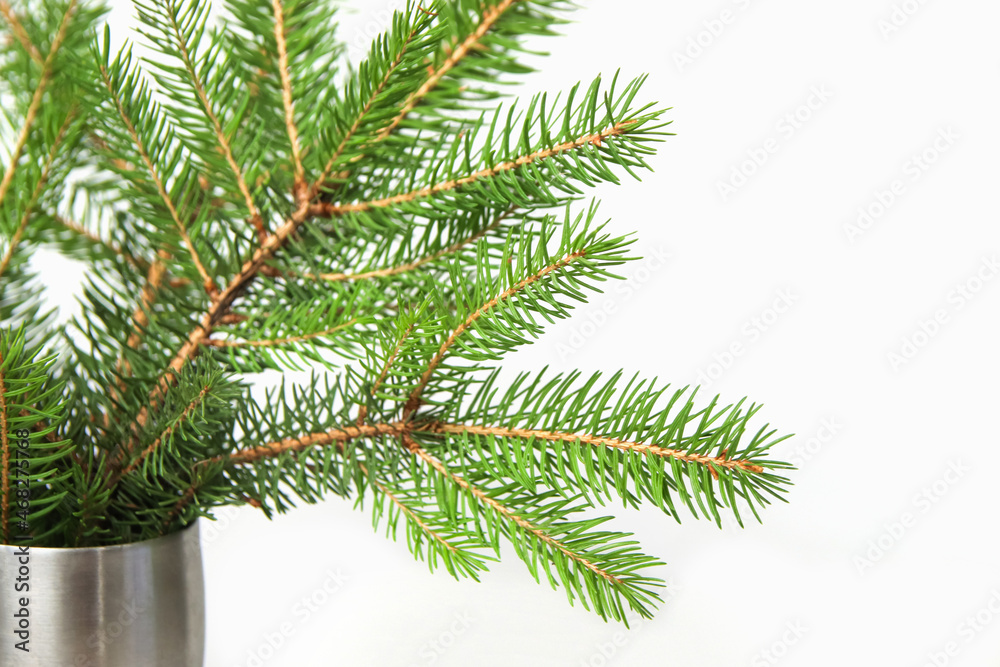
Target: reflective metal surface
<point x="137" y="605"/>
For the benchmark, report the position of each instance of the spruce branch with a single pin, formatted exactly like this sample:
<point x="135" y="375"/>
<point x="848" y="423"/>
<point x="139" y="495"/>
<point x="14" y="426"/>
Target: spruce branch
<point x="430" y="536"/>
<point x="328" y="209"/>
<point x="36" y="100"/>
<point x="105" y="245"/>
<point x="43" y="178"/>
<point x="181" y="28"/>
<point x="389" y="55"/>
<point x="414" y="400"/>
<point x="110" y="85"/>
<point x="490" y="16"/>
<point x="405" y="232"/>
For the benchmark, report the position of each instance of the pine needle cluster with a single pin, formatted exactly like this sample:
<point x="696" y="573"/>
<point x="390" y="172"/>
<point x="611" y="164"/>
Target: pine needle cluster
<point x="247" y="200"/>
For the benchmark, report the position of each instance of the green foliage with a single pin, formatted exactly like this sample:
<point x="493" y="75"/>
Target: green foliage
<point x="248" y="200"/>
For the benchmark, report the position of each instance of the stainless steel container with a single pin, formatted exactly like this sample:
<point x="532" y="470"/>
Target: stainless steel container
<point x="136" y="605"/>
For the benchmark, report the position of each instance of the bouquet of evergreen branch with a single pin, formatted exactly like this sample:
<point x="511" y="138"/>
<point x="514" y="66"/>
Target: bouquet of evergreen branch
<point x="242" y="207"/>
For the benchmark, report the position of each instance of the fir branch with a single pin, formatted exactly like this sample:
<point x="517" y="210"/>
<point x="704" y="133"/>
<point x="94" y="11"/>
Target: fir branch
<point x="595" y="139"/>
<point x="414" y="400"/>
<point x="366" y="109"/>
<point x="88" y="236"/>
<point x="410" y="513"/>
<point x="37" y="191"/>
<point x="213" y="317"/>
<point x="207" y="281"/>
<point x="507" y="513"/>
<point x="36" y="100"/>
<point x="167" y="432"/>
<point x="94" y="239"/>
<point x="489" y="18"/>
<point x="392" y="358"/>
<point x="417" y="277"/>
<point x="199" y="88"/>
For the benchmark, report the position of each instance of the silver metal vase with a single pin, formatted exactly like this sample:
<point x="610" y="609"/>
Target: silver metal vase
<point x="135" y="605"/>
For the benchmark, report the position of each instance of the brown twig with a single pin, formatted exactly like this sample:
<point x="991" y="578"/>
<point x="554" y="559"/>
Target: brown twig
<point x="597" y="441"/>
<point x="140" y="317"/>
<point x="214" y="342"/>
<point x="286" y="99"/>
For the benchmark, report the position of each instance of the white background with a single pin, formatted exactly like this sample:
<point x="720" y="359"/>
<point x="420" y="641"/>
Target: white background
<point x="888" y="550"/>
